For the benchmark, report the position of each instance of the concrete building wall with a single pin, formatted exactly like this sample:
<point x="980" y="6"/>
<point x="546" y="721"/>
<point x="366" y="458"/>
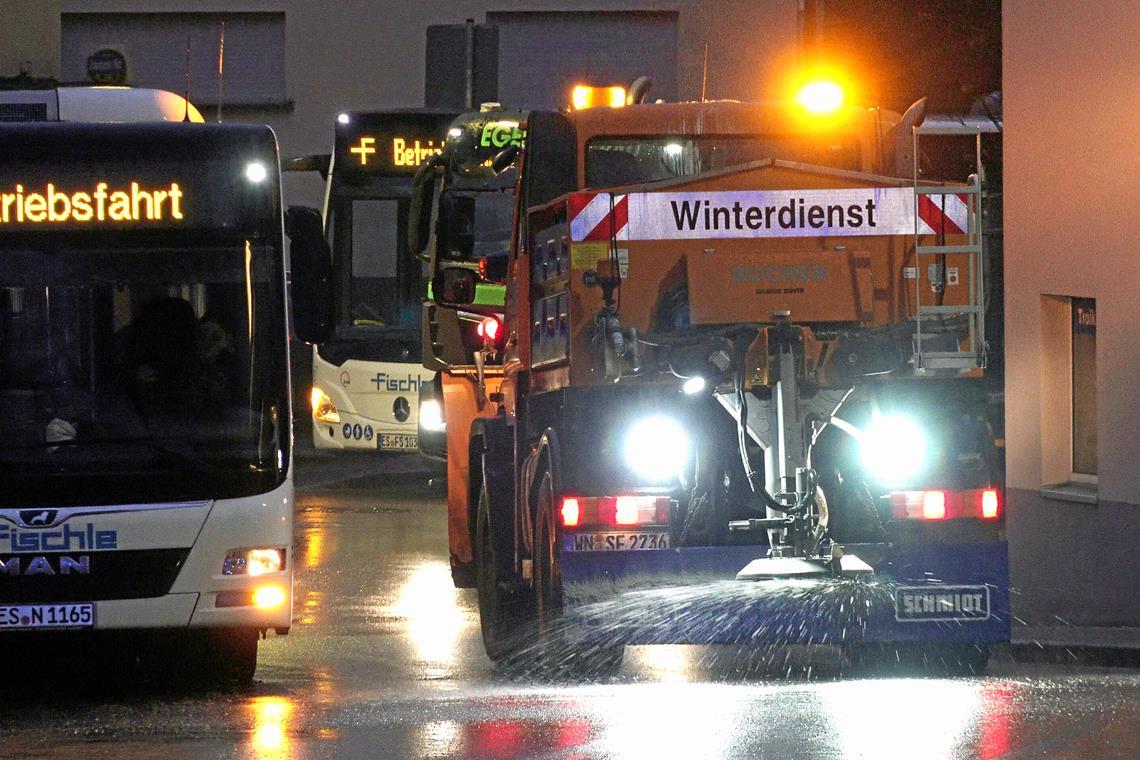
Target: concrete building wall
<point x="1072" y="208"/>
<point x="31" y="44"/>
<point x="348" y="54"/>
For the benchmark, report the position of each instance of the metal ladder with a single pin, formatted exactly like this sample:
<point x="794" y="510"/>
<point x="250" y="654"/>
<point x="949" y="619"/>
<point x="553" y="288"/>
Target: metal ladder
<point x="974" y="310"/>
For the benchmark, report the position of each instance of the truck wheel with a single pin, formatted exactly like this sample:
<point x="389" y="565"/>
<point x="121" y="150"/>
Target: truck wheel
<point x="501" y="614"/>
<point x="565" y="651"/>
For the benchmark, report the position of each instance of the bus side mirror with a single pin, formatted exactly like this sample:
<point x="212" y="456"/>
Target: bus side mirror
<point x="456" y="231"/>
<point x="454" y="286"/>
<point x="311" y="266"/>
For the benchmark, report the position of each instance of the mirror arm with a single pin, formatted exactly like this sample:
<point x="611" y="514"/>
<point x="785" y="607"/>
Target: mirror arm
<point x="481" y="381"/>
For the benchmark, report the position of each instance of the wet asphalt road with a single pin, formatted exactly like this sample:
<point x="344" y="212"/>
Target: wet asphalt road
<point x="385" y="660"/>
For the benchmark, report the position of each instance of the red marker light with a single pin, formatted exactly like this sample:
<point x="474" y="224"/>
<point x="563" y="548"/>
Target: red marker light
<point x="489" y="329"/>
<point x="989" y="503"/>
<point x="570" y="512"/>
<point x="934" y="505"/>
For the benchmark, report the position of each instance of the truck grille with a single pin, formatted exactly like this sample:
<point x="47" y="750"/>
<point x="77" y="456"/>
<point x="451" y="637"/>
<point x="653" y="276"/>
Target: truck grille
<point x="111" y="575"/>
<point x="23" y="112"/>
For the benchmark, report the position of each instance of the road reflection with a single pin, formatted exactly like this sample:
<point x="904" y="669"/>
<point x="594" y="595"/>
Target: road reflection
<point x="430" y="603"/>
<point x="271" y="726"/>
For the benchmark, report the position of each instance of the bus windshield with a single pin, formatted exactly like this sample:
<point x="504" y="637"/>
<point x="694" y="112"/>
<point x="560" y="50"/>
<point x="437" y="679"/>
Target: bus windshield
<point x="141" y="374"/>
<point x="624" y="161"/>
<point x="380" y="286"/>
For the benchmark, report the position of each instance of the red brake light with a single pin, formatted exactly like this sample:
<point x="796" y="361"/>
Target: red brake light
<point x="489" y="329"/>
<point x="990" y="503"/>
<point x="934" y="505"/>
<point x="571" y="513"/>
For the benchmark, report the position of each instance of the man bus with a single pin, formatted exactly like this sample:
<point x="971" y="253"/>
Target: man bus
<point x="367" y="376"/>
<point x="145" y="463"/>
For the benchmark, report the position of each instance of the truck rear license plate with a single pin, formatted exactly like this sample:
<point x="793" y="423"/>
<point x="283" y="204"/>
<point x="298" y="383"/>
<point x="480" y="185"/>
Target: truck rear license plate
<point x="23" y="616"/>
<point x="616" y="542"/>
<point x="399" y="442"/>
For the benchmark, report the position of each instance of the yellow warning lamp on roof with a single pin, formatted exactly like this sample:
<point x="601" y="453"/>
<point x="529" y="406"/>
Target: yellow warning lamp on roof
<point x="821" y="96"/>
<point x="585" y="96"/>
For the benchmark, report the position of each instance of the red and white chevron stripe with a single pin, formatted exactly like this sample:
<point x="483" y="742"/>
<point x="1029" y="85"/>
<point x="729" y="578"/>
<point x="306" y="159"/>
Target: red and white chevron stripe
<point x="598" y="216"/>
<point x="943" y="214"/>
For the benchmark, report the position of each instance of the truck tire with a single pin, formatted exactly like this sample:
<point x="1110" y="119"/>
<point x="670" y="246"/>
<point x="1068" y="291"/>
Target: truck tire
<point x="564" y="650"/>
<point x="502" y="615"/>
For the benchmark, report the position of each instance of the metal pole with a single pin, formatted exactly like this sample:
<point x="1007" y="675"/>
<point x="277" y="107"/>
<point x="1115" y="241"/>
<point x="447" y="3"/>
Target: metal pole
<point x="469" y="93"/>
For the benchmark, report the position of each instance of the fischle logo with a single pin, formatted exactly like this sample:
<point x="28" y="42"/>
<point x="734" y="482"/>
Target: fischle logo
<point x="66" y="537"/>
<point x="101" y="202"/>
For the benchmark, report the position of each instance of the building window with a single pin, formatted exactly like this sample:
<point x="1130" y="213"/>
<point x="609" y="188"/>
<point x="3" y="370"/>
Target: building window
<point x="180" y="51"/>
<point x="1084" y="388"/>
<point x="1068" y="374"/>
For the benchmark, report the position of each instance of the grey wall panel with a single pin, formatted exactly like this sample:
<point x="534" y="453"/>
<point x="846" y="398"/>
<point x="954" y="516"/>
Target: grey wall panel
<point x="542" y="55"/>
<point x="155" y="45"/>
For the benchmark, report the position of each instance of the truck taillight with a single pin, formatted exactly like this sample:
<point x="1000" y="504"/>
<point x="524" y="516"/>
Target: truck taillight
<point x="934" y="505"/>
<point x="614" y="511"/>
<point x="489" y="329"/>
<point x="991" y="505"/>
<point x="570" y="512"/>
<point x="945" y="505"/>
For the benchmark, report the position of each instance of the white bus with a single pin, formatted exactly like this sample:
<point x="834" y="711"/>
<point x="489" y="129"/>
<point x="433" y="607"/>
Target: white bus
<point x="96" y="104"/>
<point x="367" y="376"/>
<point x="145" y="441"/>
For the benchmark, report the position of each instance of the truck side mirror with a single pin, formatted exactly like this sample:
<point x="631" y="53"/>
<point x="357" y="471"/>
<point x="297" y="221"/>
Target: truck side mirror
<point x="456" y="231"/>
<point x="504" y="159"/>
<point x="311" y="266"/>
<point x="454" y="286"/>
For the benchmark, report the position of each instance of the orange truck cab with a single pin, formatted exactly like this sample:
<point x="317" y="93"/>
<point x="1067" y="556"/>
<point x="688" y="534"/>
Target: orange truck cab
<point x="742" y="342"/>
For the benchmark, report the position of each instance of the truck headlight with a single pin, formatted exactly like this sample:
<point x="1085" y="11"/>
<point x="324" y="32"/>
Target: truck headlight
<point x="894" y="449"/>
<point x="324" y="410"/>
<point x="431" y="416"/>
<point x="656" y="448"/>
<point x="254" y="561"/>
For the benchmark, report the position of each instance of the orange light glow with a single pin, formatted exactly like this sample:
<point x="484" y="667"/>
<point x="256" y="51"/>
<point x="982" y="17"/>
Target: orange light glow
<point x="268" y="597"/>
<point x="585" y="96"/>
<point x="821" y="96"/>
<point x="366" y="148"/>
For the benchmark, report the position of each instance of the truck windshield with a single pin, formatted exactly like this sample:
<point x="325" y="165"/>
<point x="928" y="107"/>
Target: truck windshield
<point x="144" y="374"/>
<point x="624" y="161"/>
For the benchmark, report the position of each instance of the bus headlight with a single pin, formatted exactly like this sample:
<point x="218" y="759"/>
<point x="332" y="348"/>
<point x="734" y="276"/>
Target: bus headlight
<point x="894" y="449"/>
<point x="254" y="562"/>
<point x="324" y="410"/>
<point x="656" y="448"/>
<point x="431" y="416"/>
